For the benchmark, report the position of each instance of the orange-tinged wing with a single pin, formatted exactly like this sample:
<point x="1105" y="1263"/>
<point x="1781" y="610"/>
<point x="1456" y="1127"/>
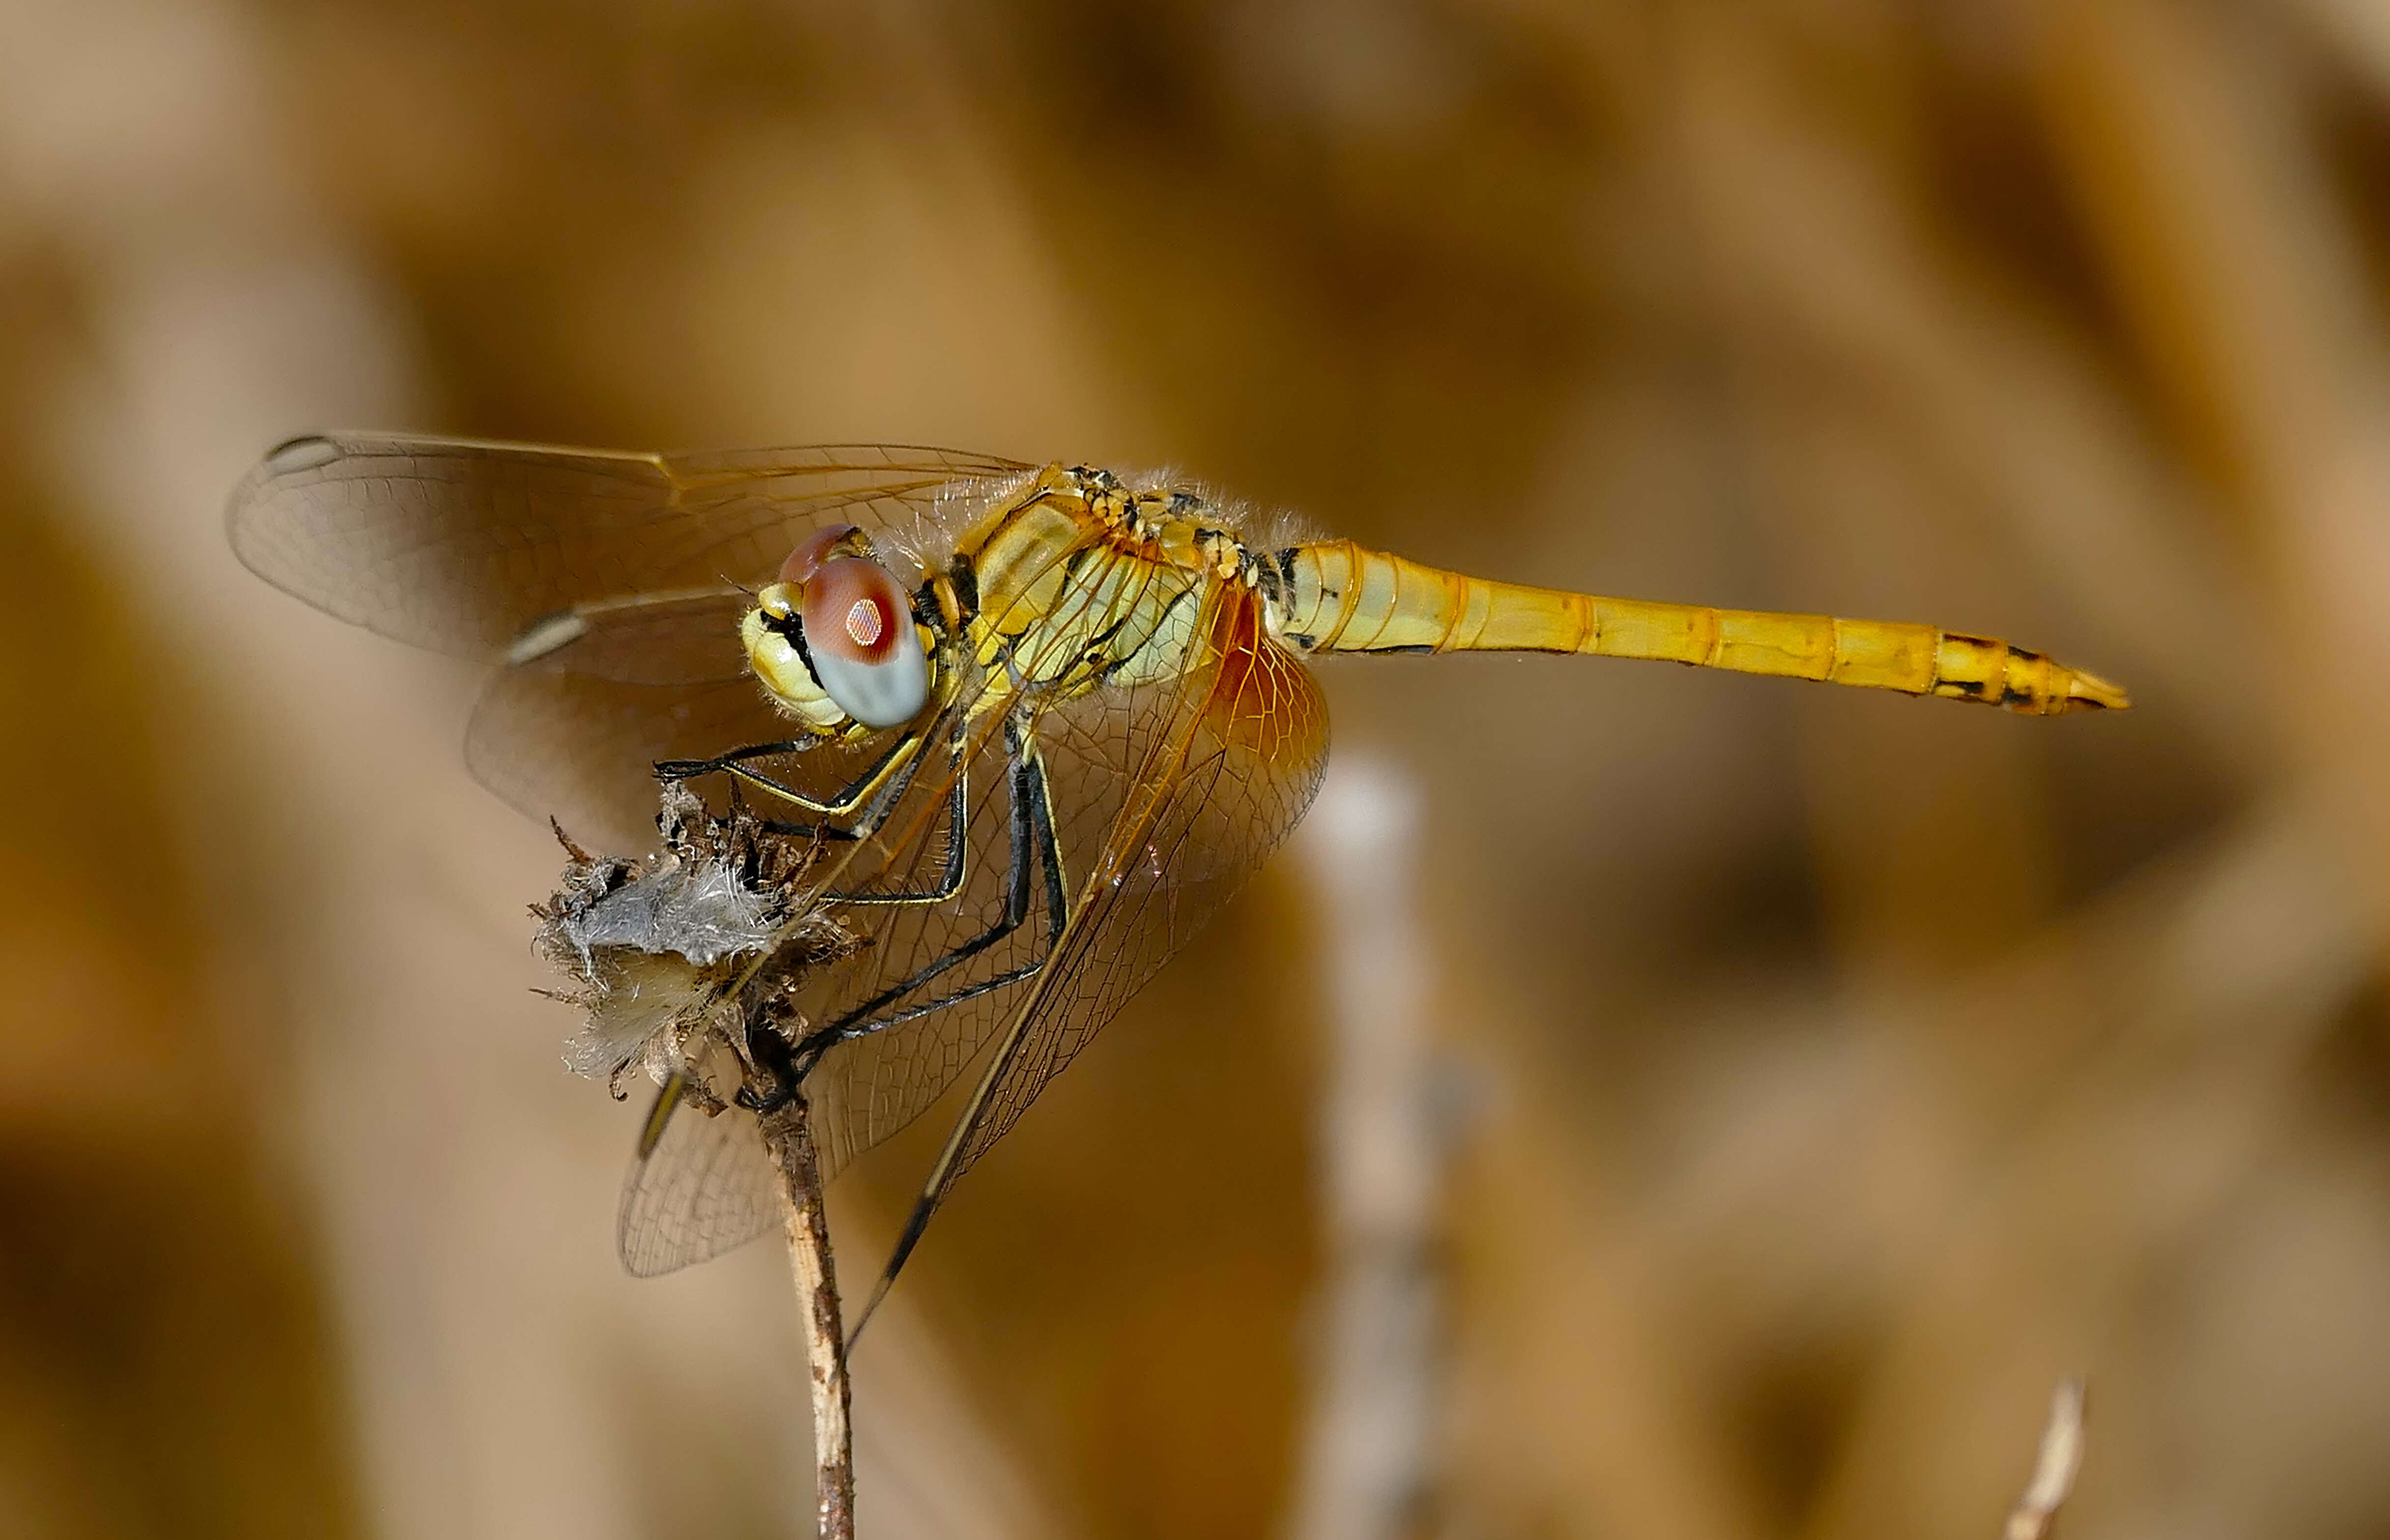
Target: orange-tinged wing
<point x="1165" y="797"/>
<point x="1218" y="777"/>
<point x="1092" y="748"/>
<point x="1218" y="786"/>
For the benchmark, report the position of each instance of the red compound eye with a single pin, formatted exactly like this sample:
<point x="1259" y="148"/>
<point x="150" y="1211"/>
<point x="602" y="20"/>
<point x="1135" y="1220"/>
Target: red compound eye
<point x="854" y="611"/>
<point x="862" y="644"/>
<point x="806" y="559"/>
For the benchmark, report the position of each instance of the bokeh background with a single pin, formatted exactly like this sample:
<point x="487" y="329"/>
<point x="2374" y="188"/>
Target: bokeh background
<point x="1796" y="1083"/>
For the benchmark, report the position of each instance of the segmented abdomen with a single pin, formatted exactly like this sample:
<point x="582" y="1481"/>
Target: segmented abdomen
<point x="1337" y="597"/>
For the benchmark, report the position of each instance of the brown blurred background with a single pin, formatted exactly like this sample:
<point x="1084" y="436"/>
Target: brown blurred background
<point x="1818" y="1076"/>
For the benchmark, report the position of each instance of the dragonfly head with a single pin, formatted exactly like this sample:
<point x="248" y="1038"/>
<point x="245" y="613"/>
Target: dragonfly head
<point x="835" y="641"/>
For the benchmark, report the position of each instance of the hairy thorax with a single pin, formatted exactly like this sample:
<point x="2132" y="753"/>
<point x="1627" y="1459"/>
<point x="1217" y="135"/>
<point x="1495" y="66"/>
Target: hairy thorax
<point x="1080" y="582"/>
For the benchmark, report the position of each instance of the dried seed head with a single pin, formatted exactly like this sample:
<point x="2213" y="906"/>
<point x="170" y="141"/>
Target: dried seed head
<point x="657" y="947"/>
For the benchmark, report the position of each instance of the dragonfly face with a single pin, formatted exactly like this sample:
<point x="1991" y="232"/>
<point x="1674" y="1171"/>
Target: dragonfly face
<point x="837" y="642"/>
<point x="1044" y="755"/>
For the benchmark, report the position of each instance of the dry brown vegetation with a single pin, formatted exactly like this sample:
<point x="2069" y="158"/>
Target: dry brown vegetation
<point x="1830" y="1074"/>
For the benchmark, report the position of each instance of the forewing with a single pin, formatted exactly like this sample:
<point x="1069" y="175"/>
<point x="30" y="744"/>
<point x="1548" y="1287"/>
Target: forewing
<point x="606" y="583"/>
<point x="460" y="544"/>
<point x="574" y="732"/>
<point x="707" y="1188"/>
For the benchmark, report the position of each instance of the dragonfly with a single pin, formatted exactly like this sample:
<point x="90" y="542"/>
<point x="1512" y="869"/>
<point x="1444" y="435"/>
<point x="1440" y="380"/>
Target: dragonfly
<point x="1049" y="717"/>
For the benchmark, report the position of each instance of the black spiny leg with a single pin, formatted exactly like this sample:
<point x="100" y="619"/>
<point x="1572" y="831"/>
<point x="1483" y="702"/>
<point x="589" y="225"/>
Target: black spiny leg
<point x="683" y="769"/>
<point x="841" y="804"/>
<point x="1032" y="842"/>
<point x="957" y="837"/>
<point x="917" y="1222"/>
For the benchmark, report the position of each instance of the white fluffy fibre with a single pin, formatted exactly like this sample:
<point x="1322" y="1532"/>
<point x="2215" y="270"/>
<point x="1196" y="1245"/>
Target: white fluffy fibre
<point x="635" y="998"/>
<point x="647" y="952"/>
<point x="698" y="909"/>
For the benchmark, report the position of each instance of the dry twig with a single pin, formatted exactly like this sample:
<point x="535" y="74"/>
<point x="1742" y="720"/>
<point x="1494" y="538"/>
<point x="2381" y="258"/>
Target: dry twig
<point x="2054" y="1468"/>
<point x="681" y="960"/>
<point x="788" y="1134"/>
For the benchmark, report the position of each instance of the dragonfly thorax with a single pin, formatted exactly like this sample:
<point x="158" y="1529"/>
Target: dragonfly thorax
<point x="1070" y="581"/>
<point x="1080" y="581"/>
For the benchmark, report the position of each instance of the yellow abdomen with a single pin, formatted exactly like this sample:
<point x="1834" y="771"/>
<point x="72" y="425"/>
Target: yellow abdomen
<point x="1336" y="597"/>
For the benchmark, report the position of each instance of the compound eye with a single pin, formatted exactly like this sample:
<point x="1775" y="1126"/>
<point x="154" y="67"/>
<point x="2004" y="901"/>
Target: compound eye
<point x="814" y="548"/>
<point x="865" y="650"/>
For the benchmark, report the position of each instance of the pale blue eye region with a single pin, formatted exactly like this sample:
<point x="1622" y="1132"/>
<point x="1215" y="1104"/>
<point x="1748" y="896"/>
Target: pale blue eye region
<point x="877" y="695"/>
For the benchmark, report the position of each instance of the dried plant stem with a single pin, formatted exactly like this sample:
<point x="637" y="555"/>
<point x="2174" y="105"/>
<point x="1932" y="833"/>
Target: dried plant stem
<point x="789" y="1135"/>
<point x="2054" y="1469"/>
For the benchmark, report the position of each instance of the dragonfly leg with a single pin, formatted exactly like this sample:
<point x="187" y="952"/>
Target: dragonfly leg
<point x="1032" y="835"/>
<point x="890" y="797"/>
<point x="950" y="882"/>
<point x="1032" y="846"/>
<point x="927" y="1204"/>
<point x="875" y="805"/>
<point x="682" y="769"/>
<point x="844" y="804"/>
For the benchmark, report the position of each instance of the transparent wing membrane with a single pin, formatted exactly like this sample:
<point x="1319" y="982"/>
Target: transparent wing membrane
<point x="1088" y="753"/>
<point x="572" y="734"/>
<point x="1195" y="794"/>
<point x="707" y="1188"/>
<point x="580" y="750"/>
<point x="461" y="546"/>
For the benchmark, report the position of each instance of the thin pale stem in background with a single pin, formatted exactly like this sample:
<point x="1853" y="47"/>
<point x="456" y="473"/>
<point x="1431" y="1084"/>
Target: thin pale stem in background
<point x="789" y="1135"/>
<point x="1368" y="1469"/>
<point x="2054" y="1469"/>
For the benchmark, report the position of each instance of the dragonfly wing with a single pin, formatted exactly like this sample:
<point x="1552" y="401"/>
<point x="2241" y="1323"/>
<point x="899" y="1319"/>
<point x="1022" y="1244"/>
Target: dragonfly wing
<point x="582" y="750"/>
<point x="1217" y="780"/>
<point x="573" y="728"/>
<point x="574" y="733"/>
<point x="462" y="545"/>
<point x="707" y="1188"/>
<point x="1094" y="749"/>
<point x="1218" y="785"/>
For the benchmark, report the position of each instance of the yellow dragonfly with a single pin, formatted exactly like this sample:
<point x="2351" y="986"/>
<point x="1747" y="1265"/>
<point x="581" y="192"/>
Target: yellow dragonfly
<point x="1050" y="718"/>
